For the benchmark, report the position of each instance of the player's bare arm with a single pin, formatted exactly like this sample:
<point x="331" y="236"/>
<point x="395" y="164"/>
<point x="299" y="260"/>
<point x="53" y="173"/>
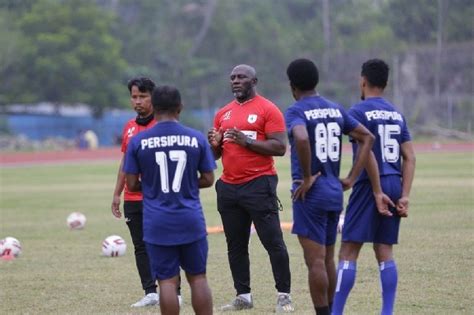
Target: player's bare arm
<point x="119" y="186"/>
<point x="303" y="150"/>
<point x="408" y="173"/>
<point x="382" y="201"/>
<point x="133" y="182"/>
<point x="215" y="137"/>
<point x="365" y="139"/>
<point x="274" y="144"/>
<point x="206" y="179"/>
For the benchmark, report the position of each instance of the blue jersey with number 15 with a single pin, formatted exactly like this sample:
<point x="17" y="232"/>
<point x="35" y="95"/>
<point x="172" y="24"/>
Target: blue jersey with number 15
<point x="325" y="123"/>
<point x="168" y="157"/>
<point x="390" y="130"/>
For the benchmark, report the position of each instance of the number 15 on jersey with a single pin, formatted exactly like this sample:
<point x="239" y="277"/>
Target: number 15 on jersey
<point x="389" y="146"/>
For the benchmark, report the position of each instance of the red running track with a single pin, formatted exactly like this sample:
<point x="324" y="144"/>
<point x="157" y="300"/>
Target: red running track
<point x="114" y="154"/>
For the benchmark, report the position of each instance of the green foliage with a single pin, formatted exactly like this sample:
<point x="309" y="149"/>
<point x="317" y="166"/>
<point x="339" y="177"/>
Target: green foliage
<point x="70" y="58"/>
<point x="83" y="51"/>
<point x="459" y="22"/>
<point x="9" y="49"/>
<point x="417" y="21"/>
<point x="416" y="24"/>
<point x="16" y="6"/>
<point x="360" y="24"/>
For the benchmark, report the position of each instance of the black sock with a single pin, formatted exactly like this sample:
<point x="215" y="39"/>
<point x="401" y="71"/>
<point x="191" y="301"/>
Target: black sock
<point x="150" y="290"/>
<point x="322" y="310"/>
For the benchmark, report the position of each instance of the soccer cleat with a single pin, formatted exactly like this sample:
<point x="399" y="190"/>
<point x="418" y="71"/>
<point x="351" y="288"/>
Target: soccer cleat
<point x="284" y="304"/>
<point x="237" y="305"/>
<point x="148" y="300"/>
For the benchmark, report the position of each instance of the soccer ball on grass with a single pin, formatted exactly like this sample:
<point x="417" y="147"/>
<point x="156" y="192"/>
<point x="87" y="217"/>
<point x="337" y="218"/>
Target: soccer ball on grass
<point x="10" y="246"/>
<point x="76" y="221"/>
<point x="114" y="246"/>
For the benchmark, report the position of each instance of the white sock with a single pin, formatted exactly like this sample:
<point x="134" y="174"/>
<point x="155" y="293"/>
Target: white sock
<point x="283" y="293"/>
<point x="246" y="296"/>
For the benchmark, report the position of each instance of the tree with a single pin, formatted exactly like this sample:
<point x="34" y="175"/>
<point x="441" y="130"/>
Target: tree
<point x="69" y="56"/>
<point x="417" y="21"/>
<point x="9" y="52"/>
<point x="83" y="51"/>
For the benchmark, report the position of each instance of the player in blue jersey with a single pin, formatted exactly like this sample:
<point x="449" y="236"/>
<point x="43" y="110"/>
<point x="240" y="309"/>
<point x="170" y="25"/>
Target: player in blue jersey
<point x="315" y="126"/>
<point x="164" y="162"/>
<point x="393" y="151"/>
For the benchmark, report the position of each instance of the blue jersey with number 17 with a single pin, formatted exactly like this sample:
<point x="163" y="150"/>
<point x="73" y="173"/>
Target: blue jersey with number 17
<point x="168" y="158"/>
<point x="390" y="130"/>
<point x="325" y="123"/>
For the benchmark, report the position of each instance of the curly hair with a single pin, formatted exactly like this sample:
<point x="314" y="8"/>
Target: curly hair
<point x="376" y="72"/>
<point x="303" y="74"/>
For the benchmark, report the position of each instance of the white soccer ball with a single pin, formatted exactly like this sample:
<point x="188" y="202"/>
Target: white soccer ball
<point x="114" y="246"/>
<point x="76" y="221"/>
<point x="10" y="246"/>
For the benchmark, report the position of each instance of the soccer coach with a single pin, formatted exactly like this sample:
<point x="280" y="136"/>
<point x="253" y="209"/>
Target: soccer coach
<point x="247" y="133"/>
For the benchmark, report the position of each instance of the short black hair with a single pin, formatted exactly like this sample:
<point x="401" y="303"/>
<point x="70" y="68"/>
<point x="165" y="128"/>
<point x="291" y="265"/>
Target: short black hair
<point x="166" y="99"/>
<point x="376" y="72"/>
<point x="303" y="74"/>
<point x="142" y="83"/>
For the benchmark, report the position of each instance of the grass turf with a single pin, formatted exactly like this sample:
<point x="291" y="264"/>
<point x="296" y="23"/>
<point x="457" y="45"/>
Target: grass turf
<point x="62" y="271"/>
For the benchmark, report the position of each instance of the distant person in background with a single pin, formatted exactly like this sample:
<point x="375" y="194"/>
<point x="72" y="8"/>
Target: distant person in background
<point x="315" y="127"/>
<point x="364" y="223"/>
<point x="81" y="142"/>
<point x="140" y="97"/>
<point x="91" y="139"/>
<point x="247" y="133"/>
<point x="169" y="163"/>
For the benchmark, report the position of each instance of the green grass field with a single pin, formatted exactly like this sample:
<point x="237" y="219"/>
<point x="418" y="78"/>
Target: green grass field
<point x="62" y="271"/>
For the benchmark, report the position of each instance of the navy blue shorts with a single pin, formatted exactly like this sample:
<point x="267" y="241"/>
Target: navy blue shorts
<point x="166" y="260"/>
<point x="363" y="223"/>
<point x="317" y="225"/>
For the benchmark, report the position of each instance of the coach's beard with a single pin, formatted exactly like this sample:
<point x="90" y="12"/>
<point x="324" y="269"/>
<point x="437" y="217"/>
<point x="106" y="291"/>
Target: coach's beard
<point x="241" y="96"/>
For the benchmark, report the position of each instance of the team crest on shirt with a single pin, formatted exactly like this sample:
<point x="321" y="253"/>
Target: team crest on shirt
<point x="130" y="132"/>
<point x="227" y="115"/>
<point x="252" y="118"/>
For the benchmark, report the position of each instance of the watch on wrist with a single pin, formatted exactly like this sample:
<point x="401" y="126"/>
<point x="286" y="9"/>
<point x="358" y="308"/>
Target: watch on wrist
<point x="249" y="141"/>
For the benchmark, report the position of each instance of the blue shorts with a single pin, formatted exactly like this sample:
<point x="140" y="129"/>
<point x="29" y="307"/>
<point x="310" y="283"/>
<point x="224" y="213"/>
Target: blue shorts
<point x="166" y="260"/>
<point x="363" y="223"/>
<point x="317" y="225"/>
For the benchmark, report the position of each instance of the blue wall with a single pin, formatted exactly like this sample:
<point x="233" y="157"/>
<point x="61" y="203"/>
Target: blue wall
<point x="107" y="128"/>
<point x="40" y="127"/>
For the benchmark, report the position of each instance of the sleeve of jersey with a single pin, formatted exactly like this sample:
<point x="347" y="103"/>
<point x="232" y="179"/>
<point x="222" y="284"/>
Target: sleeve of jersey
<point x="353" y="117"/>
<point x="405" y="132"/>
<point x="217" y="119"/>
<point x="130" y="165"/>
<point x="351" y="120"/>
<point x="206" y="162"/>
<point x="293" y="118"/>
<point x="274" y="121"/>
<point x="124" y="139"/>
